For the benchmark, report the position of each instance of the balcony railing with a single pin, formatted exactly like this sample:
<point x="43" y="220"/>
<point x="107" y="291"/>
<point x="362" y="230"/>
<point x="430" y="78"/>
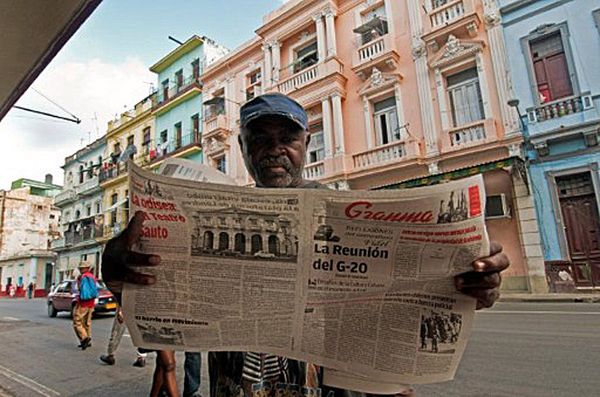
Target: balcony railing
<point x="468" y="134"/>
<point x="560" y="108"/>
<point x="112" y="171"/>
<point x="57" y="244"/>
<point x="314" y="170"/>
<point x="113" y="230"/>
<point x="216" y="125"/>
<point x="380" y="155"/>
<point x="88" y="185"/>
<point x="371" y="50"/>
<point x="309" y="75"/>
<point x="445" y="11"/>
<point x="65" y="196"/>
<point x="299" y="79"/>
<point x="175" y="91"/>
<point x="175" y="144"/>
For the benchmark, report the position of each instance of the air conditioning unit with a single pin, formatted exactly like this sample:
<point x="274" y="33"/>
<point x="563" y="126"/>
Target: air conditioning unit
<point x="496" y="206"/>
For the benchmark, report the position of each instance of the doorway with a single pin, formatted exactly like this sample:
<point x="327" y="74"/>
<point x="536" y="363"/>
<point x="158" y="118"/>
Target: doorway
<point x="579" y="208"/>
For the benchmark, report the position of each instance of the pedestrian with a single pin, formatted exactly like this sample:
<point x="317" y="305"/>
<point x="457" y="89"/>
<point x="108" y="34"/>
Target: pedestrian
<point x="116" y="334"/>
<point x="30" y="290"/>
<point x="11" y="290"/>
<point x="273" y="142"/>
<point x="87" y="292"/>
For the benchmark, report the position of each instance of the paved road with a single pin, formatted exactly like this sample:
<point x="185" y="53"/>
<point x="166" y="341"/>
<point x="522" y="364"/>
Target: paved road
<point x="517" y="349"/>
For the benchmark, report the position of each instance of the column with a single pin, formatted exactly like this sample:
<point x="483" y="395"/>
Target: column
<point x="485" y="92"/>
<point x="368" y="125"/>
<point x="326" y="108"/>
<point x="330" y="27"/>
<point x="320" y="36"/>
<point x="500" y="66"/>
<point x="338" y="123"/>
<point x="276" y="61"/>
<point x="419" y="52"/>
<point x="267" y="67"/>
<point x="441" y="93"/>
<point x="390" y="17"/>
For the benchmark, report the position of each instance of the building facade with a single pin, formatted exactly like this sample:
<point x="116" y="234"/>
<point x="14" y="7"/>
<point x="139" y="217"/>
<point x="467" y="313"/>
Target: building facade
<point x="28" y="224"/>
<point x="399" y="94"/>
<point x="128" y="137"/>
<point x="555" y="47"/>
<point x="80" y="203"/>
<point x="177" y="106"/>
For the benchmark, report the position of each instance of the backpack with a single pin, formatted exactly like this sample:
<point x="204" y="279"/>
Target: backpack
<point x="87" y="288"/>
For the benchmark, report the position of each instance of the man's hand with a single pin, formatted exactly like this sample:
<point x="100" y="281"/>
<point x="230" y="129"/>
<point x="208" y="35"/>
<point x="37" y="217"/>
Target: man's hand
<point x="484" y="282"/>
<point x="118" y="258"/>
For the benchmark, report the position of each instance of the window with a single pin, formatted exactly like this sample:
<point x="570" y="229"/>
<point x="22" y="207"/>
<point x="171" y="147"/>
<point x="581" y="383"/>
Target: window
<point x="254" y="77"/>
<point x="117" y="148"/>
<point x="113" y="213"/>
<point x="465" y="97"/>
<point x="164" y="136"/>
<point x="165" y="89"/>
<point x="177" y="135"/>
<point x="195" y="121"/>
<point x="81" y="174"/>
<point x="129" y="140"/>
<point x="90" y="170"/>
<point x="88" y="210"/>
<point x="374" y="25"/>
<point x="77" y="214"/>
<point x="196" y="69"/>
<point x="98" y="207"/>
<point x="221" y="164"/>
<point x="306" y="57"/>
<point x="127" y="205"/>
<point x="386" y="121"/>
<point x="550" y="68"/>
<point x="316" y="148"/>
<point x="146" y="141"/>
<point x="179" y="79"/>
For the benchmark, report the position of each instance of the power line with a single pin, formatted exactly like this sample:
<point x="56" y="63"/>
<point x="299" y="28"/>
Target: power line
<point x="74" y="119"/>
<point x="56" y="104"/>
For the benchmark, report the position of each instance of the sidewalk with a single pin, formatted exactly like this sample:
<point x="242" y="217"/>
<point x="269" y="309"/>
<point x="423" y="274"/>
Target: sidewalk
<point x="556" y="298"/>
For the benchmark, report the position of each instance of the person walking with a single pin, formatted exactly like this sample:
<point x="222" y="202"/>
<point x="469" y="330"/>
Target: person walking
<point x="116" y="333"/>
<point x="86" y="300"/>
<point x="30" y="288"/>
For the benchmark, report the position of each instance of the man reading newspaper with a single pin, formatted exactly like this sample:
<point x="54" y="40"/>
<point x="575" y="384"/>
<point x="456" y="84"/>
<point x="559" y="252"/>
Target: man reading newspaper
<point x="274" y="141"/>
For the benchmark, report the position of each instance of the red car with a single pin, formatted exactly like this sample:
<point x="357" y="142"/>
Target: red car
<point x="64" y="297"/>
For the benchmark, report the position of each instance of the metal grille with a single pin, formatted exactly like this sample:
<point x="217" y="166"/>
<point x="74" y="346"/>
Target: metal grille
<point x="575" y="185"/>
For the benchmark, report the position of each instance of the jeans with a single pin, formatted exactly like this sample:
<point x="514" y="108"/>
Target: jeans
<point x="191" y="367"/>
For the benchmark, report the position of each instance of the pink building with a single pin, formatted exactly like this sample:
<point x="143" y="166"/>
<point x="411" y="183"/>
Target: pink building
<point x="399" y="94"/>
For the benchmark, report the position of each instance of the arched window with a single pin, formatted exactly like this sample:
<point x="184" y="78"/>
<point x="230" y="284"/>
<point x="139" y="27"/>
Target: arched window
<point x="223" y="241"/>
<point x="81" y="175"/>
<point x="240" y="243"/>
<point x="208" y="240"/>
<point x="273" y="244"/>
<point x="256" y="243"/>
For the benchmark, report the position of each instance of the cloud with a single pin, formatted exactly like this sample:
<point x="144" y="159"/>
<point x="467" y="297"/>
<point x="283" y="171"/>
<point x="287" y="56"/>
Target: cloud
<point x="94" y="91"/>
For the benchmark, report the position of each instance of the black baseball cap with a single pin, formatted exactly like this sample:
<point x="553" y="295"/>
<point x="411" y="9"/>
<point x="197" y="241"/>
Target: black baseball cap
<point x="273" y="104"/>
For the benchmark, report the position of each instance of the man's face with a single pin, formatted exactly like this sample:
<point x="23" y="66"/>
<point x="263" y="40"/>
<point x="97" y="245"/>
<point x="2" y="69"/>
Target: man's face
<point x="274" y="150"/>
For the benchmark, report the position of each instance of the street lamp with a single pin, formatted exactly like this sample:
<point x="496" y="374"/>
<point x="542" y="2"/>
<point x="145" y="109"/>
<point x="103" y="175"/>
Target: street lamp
<point x="514" y="103"/>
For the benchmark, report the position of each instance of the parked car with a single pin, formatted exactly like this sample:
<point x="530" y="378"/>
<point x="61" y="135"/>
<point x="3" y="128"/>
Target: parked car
<point x="64" y="297"/>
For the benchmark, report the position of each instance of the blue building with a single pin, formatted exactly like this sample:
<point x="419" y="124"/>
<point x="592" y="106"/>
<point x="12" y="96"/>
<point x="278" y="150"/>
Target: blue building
<point x="80" y="203"/>
<point x="178" y="103"/>
<point x="553" y="49"/>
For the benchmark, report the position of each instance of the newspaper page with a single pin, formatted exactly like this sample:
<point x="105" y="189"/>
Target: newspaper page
<point x="359" y="282"/>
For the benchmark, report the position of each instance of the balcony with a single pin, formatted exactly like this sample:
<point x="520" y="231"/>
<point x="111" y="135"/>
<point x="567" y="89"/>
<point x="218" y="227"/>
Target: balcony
<point x="217" y="127"/>
<point x="314" y="170"/>
<point x="112" y="171"/>
<point x="171" y="97"/>
<point x="386" y="154"/>
<point x="380" y="53"/>
<point x="65" y="197"/>
<point x="57" y="244"/>
<point x="560" y="108"/>
<point x="88" y="187"/>
<point x="309" y="75"/>
<point x="110" y="231"/>
<point x="474" y="134"/>
<point x="175" y="146"/>
<point x="446" y="17"/>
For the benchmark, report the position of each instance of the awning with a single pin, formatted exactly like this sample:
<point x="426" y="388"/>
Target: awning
<point x="32" y="34"/>
<point x="374" y="23"/>
<point x="215" y="101"/>
<point x="116" y="205"/>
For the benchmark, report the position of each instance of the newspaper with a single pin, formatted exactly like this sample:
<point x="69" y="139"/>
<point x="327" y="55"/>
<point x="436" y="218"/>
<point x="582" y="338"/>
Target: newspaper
<point x="359" y="282"/>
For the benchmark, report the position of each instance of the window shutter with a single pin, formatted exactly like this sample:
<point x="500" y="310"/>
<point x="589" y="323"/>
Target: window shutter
<point x="558" y="75"/>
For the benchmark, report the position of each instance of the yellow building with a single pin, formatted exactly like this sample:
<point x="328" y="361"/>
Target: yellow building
<point x="127" y="137"/>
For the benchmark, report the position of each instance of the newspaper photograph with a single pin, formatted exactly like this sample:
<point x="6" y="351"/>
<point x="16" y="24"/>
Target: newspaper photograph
<point x="359" y="282"/>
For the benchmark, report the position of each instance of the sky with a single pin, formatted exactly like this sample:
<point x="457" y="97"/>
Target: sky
<point x="103" y="70"/>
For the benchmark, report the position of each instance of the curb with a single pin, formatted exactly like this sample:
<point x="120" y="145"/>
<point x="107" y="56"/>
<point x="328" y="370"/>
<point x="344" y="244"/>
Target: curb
<point x="551" y="299"/>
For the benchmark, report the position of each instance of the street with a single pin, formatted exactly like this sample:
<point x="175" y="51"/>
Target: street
<point x="517" y="349"/>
